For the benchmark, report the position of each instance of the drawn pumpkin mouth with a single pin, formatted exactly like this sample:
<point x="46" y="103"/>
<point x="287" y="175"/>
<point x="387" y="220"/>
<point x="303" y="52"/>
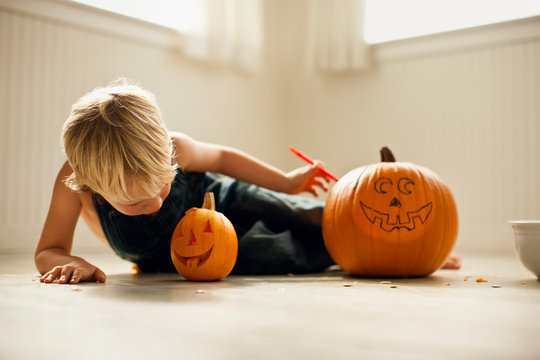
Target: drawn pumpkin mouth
<point x="193" y="262"/>
<point x="389" y="223"/>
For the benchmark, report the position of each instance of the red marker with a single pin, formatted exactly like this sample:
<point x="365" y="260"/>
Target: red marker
<point x="304" y="157"/>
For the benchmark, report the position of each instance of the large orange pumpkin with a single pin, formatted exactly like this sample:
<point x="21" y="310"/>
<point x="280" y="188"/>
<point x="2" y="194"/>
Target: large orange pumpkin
<point x="391" y="219"/>
<point x="204" y="245"/>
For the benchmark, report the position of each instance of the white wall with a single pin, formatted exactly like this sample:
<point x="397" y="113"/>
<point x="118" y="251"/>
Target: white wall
<point x="49" y="59"/>
<point x="464" y="104"/>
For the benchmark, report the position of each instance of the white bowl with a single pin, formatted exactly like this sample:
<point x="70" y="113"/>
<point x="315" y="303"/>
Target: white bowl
<point x="527" y="242"/>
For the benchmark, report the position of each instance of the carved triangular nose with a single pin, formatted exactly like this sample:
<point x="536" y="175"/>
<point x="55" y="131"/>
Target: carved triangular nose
<point x="193" y="240"/>
<point x="395" y="202"/>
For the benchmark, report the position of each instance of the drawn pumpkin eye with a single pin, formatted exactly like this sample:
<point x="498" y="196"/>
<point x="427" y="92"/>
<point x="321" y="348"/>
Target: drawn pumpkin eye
<point x="380" y="184"/>
<point x="404" y="185"/>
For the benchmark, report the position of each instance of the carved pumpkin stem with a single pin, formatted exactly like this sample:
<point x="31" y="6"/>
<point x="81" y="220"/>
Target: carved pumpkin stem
<point x="386" y="155"/>
<point x="209" y="202"/>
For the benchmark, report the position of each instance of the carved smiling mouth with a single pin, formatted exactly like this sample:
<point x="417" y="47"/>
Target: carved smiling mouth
<point x="388" y="224"/>
<point x="193" y="262"/>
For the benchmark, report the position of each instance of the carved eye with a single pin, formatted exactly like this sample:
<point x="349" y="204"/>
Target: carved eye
<point x="208" y="227"/>
<point x="404" y="185"/>
<point x="380" y="183"/>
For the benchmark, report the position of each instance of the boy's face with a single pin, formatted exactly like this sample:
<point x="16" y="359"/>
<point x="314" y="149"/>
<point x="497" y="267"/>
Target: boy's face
<point x="141" y="205"/>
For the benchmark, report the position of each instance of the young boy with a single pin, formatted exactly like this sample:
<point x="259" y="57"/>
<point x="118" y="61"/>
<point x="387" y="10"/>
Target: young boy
<point x="131" y="180"/>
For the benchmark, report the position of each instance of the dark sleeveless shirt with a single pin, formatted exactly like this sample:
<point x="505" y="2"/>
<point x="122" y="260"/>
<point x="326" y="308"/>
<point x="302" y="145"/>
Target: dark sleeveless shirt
<point x="277" y="233"/>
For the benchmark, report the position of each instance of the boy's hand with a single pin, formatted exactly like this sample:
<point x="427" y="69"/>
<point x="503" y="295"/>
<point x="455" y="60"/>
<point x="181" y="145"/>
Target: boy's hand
<point x="74" y="272"/>
<point x="308" y="178"/>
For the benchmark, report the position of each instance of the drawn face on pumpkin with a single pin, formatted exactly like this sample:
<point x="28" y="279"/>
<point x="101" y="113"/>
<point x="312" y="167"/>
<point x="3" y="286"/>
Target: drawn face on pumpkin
<point x="396" y="216"/>
<point x="390" y="219"/>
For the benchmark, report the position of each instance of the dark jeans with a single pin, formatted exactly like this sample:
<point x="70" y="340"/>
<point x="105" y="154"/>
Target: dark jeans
<point x="277" y="233"/>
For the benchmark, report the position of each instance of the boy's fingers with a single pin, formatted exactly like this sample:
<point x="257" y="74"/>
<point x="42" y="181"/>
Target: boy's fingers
<point x="65" y="275"/>
<point x="327" y="178"/>
<point x="100" y="276"/>
<point x="52" y="275"/>
<point x="320" y="171"/>
<point x="71" y="275"/>
<point x="318" y="182"/>
<point x="47" y="278"/>
<point x="76" y="277"/>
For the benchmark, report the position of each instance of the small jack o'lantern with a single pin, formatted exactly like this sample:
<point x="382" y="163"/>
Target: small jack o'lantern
<point x="390" y="219"/>
<point x="204" y="244"/>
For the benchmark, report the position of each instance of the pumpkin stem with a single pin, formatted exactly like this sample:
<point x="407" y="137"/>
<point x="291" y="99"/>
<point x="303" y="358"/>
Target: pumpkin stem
<point x="209" y="202"/>
<point x="386" y="155"/>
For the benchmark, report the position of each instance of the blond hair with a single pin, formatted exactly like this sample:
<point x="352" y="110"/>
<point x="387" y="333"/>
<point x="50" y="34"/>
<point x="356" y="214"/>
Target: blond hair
<point x="114" y="138"/>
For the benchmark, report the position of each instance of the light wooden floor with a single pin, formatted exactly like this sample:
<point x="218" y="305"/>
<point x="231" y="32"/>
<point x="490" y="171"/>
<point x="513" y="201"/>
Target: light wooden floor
<point x="318" y="316"/>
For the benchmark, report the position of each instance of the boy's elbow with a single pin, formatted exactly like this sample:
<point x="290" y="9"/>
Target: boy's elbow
<point x="38" y="261"/>
<point x="42" y="259"/>
<point x="37" y="252"/>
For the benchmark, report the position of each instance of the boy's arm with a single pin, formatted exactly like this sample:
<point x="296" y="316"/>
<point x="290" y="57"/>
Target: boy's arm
<point x="53" y="254"/>
<point x="193" y="155"/>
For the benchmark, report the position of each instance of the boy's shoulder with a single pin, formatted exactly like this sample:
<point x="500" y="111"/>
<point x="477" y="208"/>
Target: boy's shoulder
<point x="65" y="171"/>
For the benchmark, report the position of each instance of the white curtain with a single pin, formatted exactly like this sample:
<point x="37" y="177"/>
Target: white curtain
<point x="336" y="36"/>
<point x="225" y="32"/>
